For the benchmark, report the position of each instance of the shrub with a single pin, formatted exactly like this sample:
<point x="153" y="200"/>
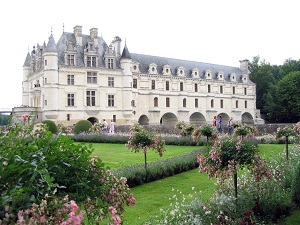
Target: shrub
<point x="82" y="126"/>
<point x="185" y="129"/>
<point x="296" y="187"/>
<point x="51" y="126"/>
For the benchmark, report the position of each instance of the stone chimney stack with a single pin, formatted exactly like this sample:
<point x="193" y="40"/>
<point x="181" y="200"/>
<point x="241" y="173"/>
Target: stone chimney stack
<point x="244" y="66"/>
<point x="94" y="36"/>
<point x="117" y="45"/>
<point x="78" y="34"/>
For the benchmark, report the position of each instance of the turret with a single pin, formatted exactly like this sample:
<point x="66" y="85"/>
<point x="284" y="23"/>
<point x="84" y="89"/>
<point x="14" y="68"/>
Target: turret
<point x="25" y="83"/>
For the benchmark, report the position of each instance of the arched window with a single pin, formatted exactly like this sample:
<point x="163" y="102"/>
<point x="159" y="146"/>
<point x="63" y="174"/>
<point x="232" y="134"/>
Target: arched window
<point x="155" y="102"/>
<point x="236" y="104"/>
<point x="184" y="102"/>
<point x="212" y="103"/>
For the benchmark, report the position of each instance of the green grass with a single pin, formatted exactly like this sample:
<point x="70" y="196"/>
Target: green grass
<point x="151" y="197"/>
<point x="117" y="155"/>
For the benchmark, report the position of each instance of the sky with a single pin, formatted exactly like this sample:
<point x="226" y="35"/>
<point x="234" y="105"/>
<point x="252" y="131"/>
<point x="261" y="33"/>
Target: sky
<point x="216" y="31"/>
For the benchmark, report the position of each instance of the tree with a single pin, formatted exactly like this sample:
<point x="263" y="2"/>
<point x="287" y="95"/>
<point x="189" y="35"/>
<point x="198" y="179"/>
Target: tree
<point x="142" y="140"/>
<point x="207" y="131"/>
<point x="288" y="101"/>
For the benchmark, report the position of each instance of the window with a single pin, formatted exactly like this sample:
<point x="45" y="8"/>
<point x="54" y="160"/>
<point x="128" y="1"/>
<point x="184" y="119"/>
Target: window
<point x="90" y="98"/>
<point x="91" y="61"/>
<point x="245" y="91"/>
<point x="110" y="64"/>
<point x="153" y="84"/>
<point x="46" y="103"/>
<point x="70" y="60"/>
<point x="208" y="88"/>
<point x="45" y="62"/>
<point x="196" y="87"/>
<point x="181" y="86"/>
<point x="114" y="118"/>
<point x="221" y="104"/>
<point x="132" y="103"/>
<point x="71" y="100"/>
<point x="184" y="102"/>
<point x="111" y="82"/>
<point x="233" y="90"/>
<point x="245" y="104"/>
<point x="212" y="103"/>
<point x="68" y="117"/>
<point x="91" y="77"/>
<point x="45" y="81"/>
<point x="134" y="83"/>
<point x="221" y="89"/>
<point x="196" y="103"/>
<point x="111" y="100"/>
<point x="70" y="79"/>
<point x="236" y="104"/>
<point x="167" y="102"/>
<point x="155" y="102"/>
<point x="167" y="85"/>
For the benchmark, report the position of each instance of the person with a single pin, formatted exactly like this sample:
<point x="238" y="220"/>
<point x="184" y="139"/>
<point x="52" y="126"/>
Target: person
<point x="105" y="125"/>
<point x="214" y="123"/>
<point x="219" y="124"/>
<point x="230" y="127"/>
<point x="112" y="127"/>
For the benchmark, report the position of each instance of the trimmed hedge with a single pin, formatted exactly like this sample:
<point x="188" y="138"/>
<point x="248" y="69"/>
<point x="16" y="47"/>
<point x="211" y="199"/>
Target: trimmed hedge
<point x="82" y="126"/>
<point x="51" y="126"/>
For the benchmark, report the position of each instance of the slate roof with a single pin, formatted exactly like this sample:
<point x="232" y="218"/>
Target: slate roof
<point x="27" y="61"/>
<point x="51" y="46"/>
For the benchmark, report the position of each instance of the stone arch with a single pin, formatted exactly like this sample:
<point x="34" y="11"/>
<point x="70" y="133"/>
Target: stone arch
<point x="143" y="120"/>
<point x="169" y="119"/>
<point x="225" y="118"/>
<point x="93" y="120"/>
<point x="247" y="118"/>
<point x="197" y="119"/>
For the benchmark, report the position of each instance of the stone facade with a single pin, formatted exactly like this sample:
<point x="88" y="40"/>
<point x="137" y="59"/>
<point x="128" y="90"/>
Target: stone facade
<point x="81" y="77"/>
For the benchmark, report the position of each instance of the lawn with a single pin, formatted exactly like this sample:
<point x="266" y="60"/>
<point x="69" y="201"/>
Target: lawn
<point x="153" y="196"/>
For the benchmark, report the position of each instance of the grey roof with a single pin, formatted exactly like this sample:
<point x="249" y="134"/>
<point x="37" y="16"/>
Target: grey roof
<point x="145" y="60"/>
<point x="27" y="61"/>
<point x="51" y="46"/>
<point x="70" y="38"/>
<point x="125" y="53"/>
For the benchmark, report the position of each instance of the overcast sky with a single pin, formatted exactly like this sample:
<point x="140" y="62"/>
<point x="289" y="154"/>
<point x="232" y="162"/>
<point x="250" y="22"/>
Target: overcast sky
<point x="219" y="32"/>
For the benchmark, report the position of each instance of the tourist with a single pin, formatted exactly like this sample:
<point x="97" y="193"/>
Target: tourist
<point x="112" y="127"/>
<point x="219" y="124"/>
<point x="214" y="123"/>
<point x="230" y="127"/>
<point x="105" y="125"/>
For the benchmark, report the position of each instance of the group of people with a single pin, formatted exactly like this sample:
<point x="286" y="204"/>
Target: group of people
<point x="108" y="128"/>
<point x="218" y="124"/>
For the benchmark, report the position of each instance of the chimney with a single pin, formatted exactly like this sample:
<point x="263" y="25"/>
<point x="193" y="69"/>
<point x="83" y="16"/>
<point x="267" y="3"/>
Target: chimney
<point x="94" y="33"/>
<point x="244" y="66"/>
<point x="117" y="45"/>
<point x="78" y="34"/>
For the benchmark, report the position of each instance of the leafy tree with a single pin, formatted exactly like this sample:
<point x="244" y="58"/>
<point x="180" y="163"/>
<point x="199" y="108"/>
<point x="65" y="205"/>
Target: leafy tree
<point x="289" y="66"/>
<point x="288" y="101"/>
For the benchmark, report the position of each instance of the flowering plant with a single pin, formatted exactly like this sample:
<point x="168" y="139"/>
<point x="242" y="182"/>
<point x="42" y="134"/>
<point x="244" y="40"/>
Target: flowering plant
<point x="244" y="131"/>
<point x="185" y="129"/>
<point x="285" y="131"/>
<point x="206" y="130"/>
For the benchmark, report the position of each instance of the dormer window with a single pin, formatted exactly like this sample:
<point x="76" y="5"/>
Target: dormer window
<point x="244" y="78"/>
<point x="180" y="71"/>
<point x="166" y="70"/>
<point x="232" y="77"/>
<point x="195" y="73"/>
<point x="91" y="61"/>
<point x="135" y="67"/>
<point x="220" y="75"/>
<point x="152" y="68"/>
<point x="70" y="59"/>
<point x="208" y="74"/>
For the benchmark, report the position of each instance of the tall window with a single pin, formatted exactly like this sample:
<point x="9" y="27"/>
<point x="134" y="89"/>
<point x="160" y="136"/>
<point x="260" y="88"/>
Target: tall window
<point x="134" y="83"/>
<point x="236" y="104"/>
<point x="167" y="85"/>
<point x="111" y="100"/>
<point x="68" y="117"/>
<point x="184" y="102"/>
<point x="91" y="77"/>
<point x="114" y="118"/>
<point x="71" y="100"/>
<point x="70" y="59"/>
<point x="221" y="89"/>
<point x="233" y="90"/>
<point x="196" y="103"/>
<point x="245" y="91"/>
<point x="246" y="105"/>
<point x="221" y="104"/>
<point x="155" y="102"/>
<point x="196" y="87"/>
<point x="181" y="86"/>
<point x="70" y="79"/>
<point x="91" y="61"/>
<point x="46" y="62"/>
<point x="167" y="102"/>
<point x="208" y="88"/>
<point x="110" y="63"/>
<point x="111" y="82"/>
<point x="132" y="103"/>
<point x="153" y="84"/>
<point x="90" y="98"/>
<point x="212" y="103"/>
